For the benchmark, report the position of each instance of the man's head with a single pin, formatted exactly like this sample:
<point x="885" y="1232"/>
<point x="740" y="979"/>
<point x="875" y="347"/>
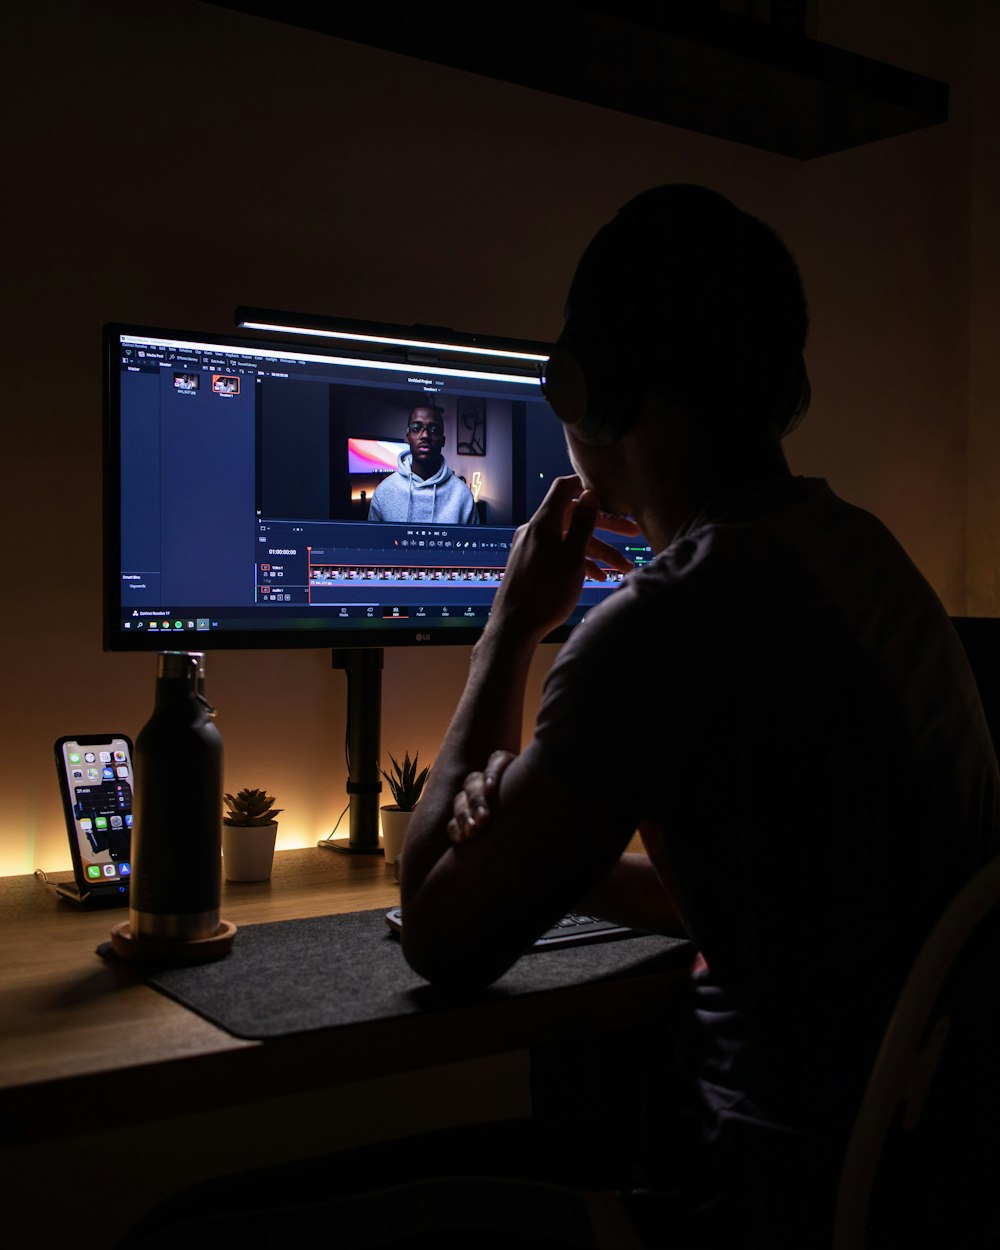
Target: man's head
<point x="425" y="434"/>
<point x="685" y="294"/>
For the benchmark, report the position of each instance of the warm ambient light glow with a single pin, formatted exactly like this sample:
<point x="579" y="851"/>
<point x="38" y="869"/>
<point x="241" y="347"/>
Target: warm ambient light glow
<point x="16" y="861"/>
<point x="393" y="342"/>
<point x="297" y="838"/>
<point x="477" y="484"/>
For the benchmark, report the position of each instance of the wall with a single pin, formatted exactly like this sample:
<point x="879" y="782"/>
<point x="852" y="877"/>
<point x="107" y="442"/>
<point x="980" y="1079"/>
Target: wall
<point x="984" y="320"/>
<point x="165" y="173"/>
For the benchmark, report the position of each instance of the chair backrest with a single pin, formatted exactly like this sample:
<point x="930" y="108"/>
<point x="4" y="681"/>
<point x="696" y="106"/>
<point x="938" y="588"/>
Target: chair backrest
<point x="921" y="1161"/>
<point x="980" y="636"/>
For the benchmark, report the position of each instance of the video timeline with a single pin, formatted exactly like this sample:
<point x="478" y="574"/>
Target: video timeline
<point x="339" y="574"/>
<point x="329" y="575"/>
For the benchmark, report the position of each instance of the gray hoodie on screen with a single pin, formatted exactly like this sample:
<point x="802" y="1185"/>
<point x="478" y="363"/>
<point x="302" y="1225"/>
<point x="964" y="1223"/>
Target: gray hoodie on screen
<point x="403" y="496"/>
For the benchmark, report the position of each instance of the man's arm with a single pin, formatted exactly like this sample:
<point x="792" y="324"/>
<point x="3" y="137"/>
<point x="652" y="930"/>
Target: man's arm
<point x="639" y="890"/>
<point x="470" y="910"/>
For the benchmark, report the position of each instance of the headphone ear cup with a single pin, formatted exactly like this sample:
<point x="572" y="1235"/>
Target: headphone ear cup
<point x="597" y="409"/>
<point x="564" y="385"/>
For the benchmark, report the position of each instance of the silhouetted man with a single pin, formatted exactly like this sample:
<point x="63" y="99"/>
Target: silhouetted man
<point x="777" y="702"/>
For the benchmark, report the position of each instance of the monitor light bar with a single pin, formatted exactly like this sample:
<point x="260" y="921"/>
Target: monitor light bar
<point x="318" y="327"/>
<point x="393" y="342"/>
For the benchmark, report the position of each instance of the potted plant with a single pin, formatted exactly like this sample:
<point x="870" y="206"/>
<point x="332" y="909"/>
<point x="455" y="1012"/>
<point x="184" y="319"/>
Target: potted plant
<point x="249" y="828"/>
<point x="406" y="784"/>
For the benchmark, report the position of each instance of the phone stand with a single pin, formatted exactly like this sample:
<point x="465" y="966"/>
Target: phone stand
<point x="87" y="898"/>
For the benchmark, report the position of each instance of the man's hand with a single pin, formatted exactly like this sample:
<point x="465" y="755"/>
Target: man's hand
<point x="471" y="807"/>
<point x="550" y="556"/>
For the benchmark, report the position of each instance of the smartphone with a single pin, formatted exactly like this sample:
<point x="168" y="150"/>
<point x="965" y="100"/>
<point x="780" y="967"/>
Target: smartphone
<point x="96" y="779"/>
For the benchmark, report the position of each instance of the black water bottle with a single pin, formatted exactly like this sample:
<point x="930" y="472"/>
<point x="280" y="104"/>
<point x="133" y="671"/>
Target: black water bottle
<point x="177" y="838"/>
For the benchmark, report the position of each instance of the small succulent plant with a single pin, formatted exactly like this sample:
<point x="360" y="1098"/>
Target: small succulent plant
<point x="250" y="807"/>
<point x="405" y="782"/>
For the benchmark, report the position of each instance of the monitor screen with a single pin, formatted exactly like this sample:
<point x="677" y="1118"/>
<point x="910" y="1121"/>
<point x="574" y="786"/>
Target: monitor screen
<point x="241" y="474"/>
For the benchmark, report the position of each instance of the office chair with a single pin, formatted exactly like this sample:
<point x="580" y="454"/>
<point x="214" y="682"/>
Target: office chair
<point x="921" y="1163"/>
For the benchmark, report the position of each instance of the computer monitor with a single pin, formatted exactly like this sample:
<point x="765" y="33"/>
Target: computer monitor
<point x="239" y="472"/>
<point x="238" y="485"/>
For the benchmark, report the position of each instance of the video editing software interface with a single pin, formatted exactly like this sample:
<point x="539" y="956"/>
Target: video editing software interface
<point x="242" y="473"/>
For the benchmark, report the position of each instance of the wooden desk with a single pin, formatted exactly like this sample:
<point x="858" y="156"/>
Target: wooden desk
<point x="95" y="1064"/>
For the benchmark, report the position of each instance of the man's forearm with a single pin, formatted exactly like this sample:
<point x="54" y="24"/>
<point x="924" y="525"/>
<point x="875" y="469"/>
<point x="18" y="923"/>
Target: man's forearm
<point x="488" y="718"/>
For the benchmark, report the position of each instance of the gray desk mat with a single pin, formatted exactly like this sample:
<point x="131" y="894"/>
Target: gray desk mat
<point x="293" y="976"/>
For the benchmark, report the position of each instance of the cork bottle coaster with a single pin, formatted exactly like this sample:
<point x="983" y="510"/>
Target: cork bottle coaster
<point x="128" y="946"/>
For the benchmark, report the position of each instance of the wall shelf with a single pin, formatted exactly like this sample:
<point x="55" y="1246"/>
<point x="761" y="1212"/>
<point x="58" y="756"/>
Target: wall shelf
<point x="690" y="65"/>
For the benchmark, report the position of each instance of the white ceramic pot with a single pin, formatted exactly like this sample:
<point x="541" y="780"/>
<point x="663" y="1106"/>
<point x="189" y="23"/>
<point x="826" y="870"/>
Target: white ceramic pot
<point x="394" y="826"/>
<point x="248" y="851"/>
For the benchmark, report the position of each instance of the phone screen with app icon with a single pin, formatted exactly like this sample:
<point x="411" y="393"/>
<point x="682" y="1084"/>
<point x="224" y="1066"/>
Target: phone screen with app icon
<point x="96" y="779"/>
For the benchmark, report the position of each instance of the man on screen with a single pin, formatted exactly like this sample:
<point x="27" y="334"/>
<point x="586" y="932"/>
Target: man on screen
<point x="423" y="487"/>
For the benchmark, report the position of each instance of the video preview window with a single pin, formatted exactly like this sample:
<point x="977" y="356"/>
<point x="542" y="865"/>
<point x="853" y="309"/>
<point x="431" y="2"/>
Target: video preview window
<point x="324" y="450"/>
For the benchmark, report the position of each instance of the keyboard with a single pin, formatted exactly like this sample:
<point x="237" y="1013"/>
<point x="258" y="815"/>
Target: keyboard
<point x="573" y="929"/>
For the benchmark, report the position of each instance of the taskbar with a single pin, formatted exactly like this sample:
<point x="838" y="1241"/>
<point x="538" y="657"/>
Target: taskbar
<point x="357" y="615"/>
<point x="470" y="611"/>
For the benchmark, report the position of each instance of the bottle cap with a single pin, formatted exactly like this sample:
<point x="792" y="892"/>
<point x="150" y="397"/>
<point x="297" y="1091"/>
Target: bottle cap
<point x="177" y="664"/>
<point x="200" y="657"/>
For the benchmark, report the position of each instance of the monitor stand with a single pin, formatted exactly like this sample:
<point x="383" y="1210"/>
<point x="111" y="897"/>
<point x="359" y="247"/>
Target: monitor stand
<point x="363" y="666"/>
